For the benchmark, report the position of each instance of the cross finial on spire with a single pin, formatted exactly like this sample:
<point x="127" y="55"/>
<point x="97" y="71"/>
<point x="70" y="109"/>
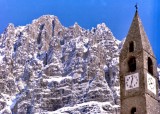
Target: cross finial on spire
<point x="136" y="6"/>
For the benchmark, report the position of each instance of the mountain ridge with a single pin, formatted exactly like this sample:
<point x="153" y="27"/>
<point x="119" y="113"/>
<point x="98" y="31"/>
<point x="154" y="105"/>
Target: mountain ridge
<point x="46" y="67"/>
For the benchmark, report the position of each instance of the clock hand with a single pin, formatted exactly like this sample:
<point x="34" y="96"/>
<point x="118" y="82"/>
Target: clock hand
<point x="131" y="81"/>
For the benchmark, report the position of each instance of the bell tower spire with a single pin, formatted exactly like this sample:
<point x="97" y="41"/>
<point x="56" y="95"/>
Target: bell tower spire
<point x="138" y="72"/>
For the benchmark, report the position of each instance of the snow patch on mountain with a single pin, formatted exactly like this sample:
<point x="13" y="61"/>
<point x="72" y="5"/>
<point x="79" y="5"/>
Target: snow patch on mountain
<point x="88" y="107"/>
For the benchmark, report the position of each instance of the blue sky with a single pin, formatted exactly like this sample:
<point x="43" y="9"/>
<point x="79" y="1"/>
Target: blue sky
<point x="117" y="14"/>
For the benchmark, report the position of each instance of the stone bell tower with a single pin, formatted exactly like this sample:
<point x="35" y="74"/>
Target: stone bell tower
<point x="138" y="73"/>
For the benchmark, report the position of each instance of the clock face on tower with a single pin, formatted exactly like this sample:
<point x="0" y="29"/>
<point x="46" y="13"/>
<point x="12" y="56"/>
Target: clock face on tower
<point x="131" y="81"/>
<point x="151" y="84"/>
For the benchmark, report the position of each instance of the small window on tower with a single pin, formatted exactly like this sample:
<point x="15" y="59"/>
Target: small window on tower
<point x="131" y="46"/>
<point x="133" y="110"/>
<point x="150" y="66"/>
<point x="132" y="64"/>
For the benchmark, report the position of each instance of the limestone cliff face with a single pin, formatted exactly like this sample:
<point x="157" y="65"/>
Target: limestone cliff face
<point x="48" y="68"/>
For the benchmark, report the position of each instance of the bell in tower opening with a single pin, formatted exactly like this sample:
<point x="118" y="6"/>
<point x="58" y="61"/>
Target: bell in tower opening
<point x="138" y="72"/>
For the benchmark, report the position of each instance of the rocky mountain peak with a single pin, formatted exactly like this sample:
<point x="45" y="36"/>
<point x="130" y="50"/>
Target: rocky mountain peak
<point x="48" y="68"/>
<point x="9" y="27"/>
<point x="102" y="27"/>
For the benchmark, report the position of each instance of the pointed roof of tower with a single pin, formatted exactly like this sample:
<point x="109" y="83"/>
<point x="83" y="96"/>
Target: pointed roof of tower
<point x="137" y="33"/>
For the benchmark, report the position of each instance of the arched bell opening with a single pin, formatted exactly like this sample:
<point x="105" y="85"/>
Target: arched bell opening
<point x="131" y="46"/>
<point x="150" y="66"/>
<point x="132" y="64"/>
<point x="133" y="110"/>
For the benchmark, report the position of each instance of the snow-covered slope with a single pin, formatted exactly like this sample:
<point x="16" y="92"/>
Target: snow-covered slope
<point x="49" y="68"/>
